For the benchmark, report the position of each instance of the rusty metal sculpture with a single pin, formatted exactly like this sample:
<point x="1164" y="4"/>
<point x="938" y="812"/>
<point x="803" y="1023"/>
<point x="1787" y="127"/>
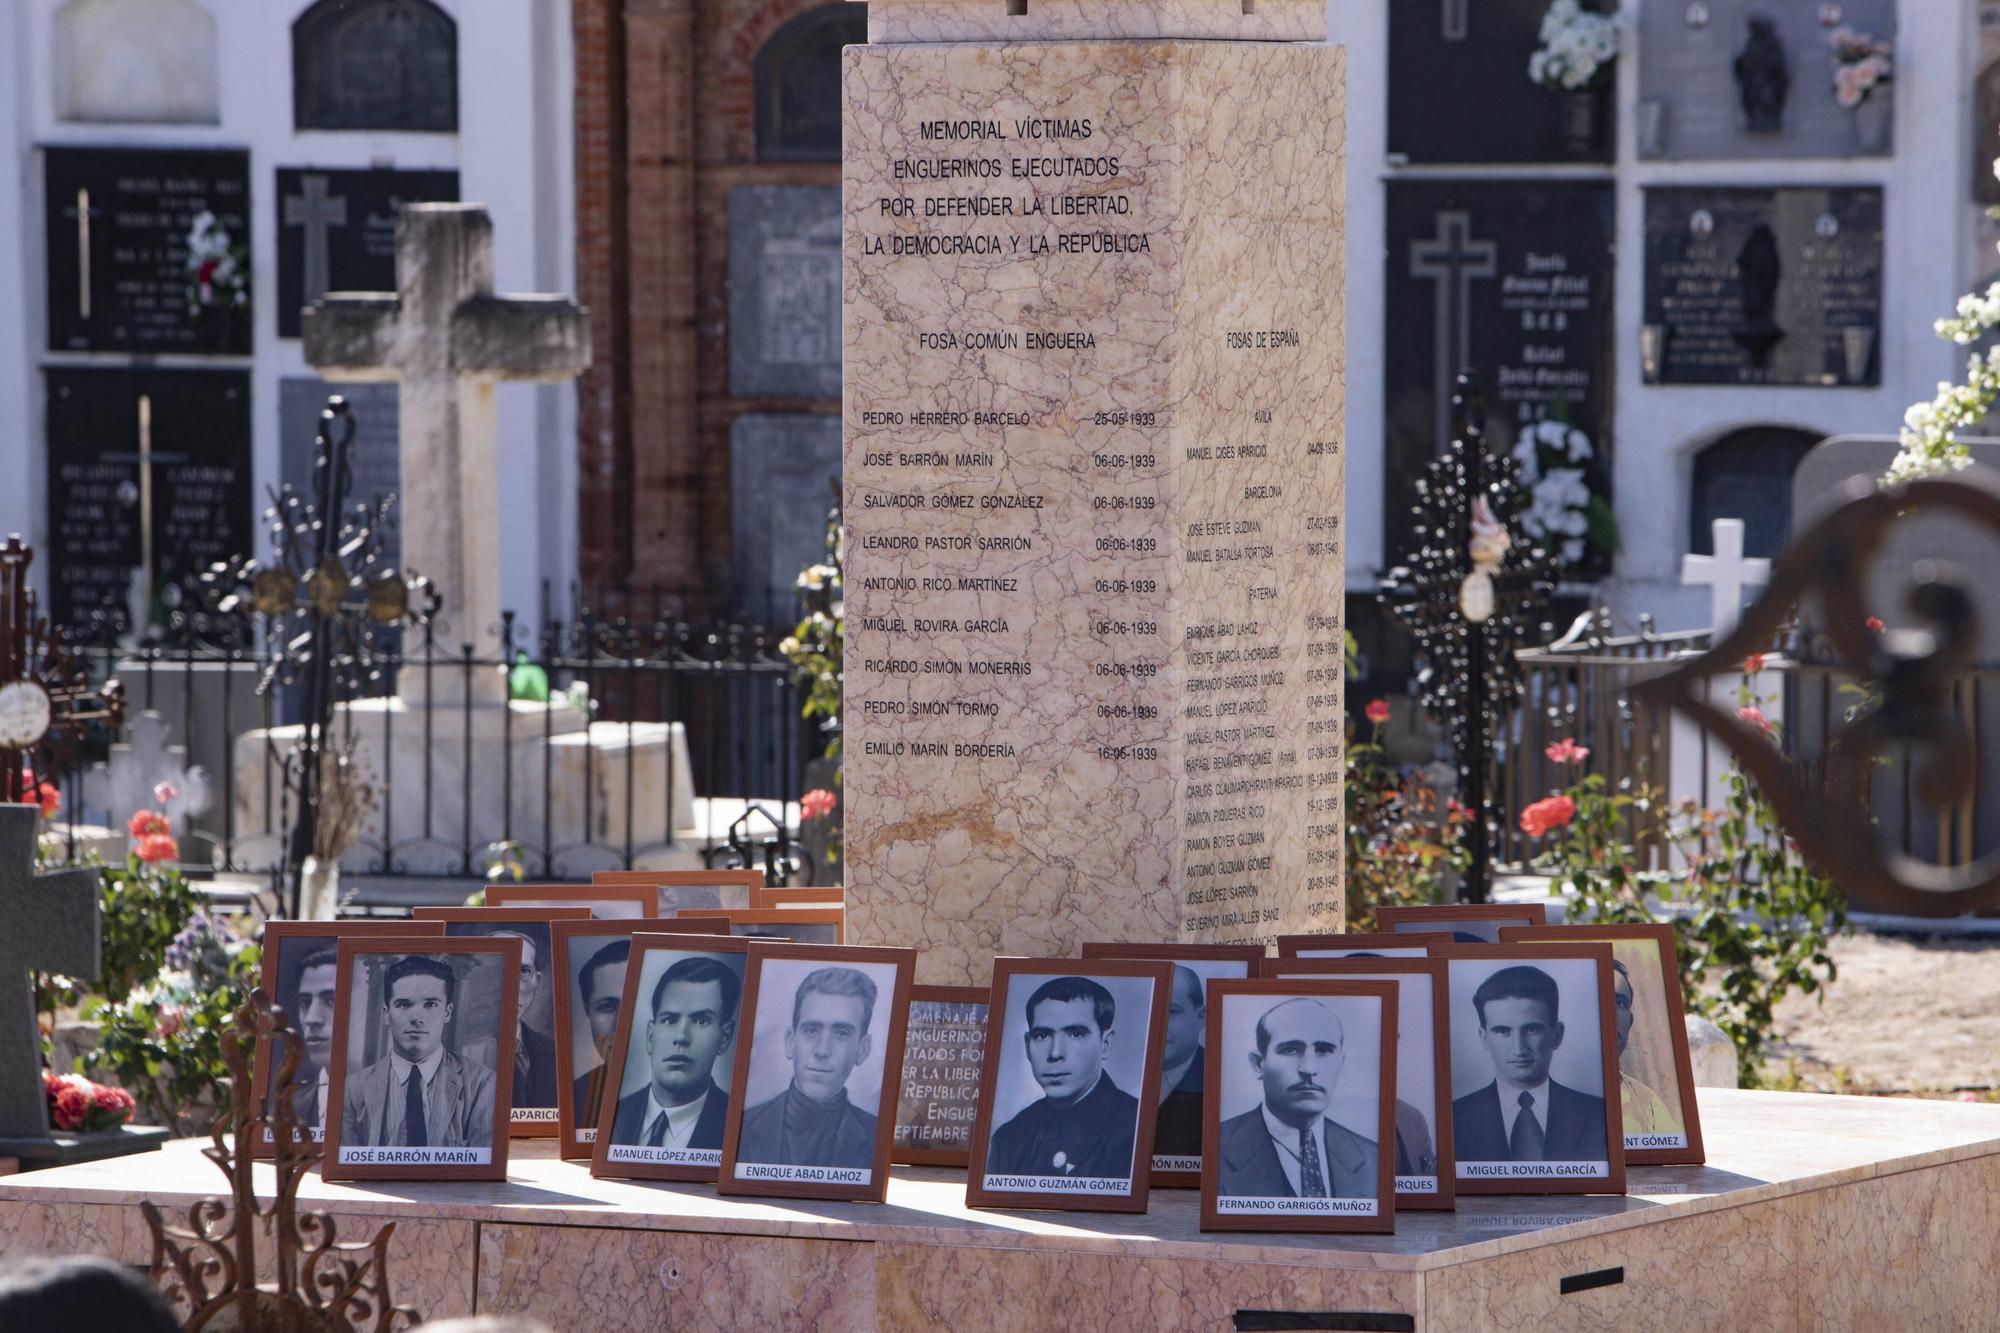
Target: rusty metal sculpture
<point x="208" y="1269"/>
<point x="1908" y="672"/>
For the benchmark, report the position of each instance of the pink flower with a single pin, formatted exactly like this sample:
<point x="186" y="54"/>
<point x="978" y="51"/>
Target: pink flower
<point x="818" y="803"/>
<point x="1567" y="751"/>
<point x="1875" y="624"/>
<point x="1753" y="664"/>
<point x="156" y="847"/>
<point x="1755" y="717"/>
<point x="166" y="793"/>
<point x="171" y="1022"/>
<point x="147" y="823"/>
<point x="1549" y="813"/>
<point x="70" y="1107"/>
<point x="1378" y="711"/>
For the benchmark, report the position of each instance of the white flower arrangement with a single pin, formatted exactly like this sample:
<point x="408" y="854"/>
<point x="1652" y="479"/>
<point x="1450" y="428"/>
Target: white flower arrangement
<point x="218" y="272"/>
<point x="1861" y="64"/>
<point x="1559" y="497"/>
<point x="1577" y="48"/>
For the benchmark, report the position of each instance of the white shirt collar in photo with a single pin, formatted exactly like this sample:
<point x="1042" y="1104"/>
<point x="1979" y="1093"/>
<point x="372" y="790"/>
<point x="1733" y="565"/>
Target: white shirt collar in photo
<point x="319" y="1100"/>
<point x="680" y="1119"/>
<point x="1510" y="1105"/>
<point x="1289" y="1147"/>
<point x="429" y="1064"/>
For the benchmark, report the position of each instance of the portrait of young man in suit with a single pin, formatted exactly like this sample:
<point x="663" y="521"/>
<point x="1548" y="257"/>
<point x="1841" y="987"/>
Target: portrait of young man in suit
<point x="1524" y="1115"/>
<point x="422" y="1093"/>
<point x="600" y="989"/>
<point x="311" y="1008"/>
<point x="1184" y="1067"/>
<point x="690" y="1024"/>
<point x="812" y="1122"/>
<point x="1288" y="1147"/>
<point x="1083" y="1124"/>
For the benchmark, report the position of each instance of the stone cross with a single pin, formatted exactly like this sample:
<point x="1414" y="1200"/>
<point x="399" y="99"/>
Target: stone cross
<point x="1727" y="573"/>
<point x="1453" y="260"/>
<point x="313" y="209"/>
<point x="51" y="926"/>
<point x="446" y="340"/>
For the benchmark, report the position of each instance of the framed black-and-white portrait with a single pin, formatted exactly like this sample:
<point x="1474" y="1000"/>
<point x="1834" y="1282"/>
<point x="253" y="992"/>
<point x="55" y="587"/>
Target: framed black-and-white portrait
<point x="588" y="962"/>
<point x="820" y="1065"/>
<point x="674" y="1050"/>
<point x="1466" y="923"/>
<point x="1421" y="1146"/>
<point x="1301" y="1097"/>
<point x="1375" y="944"/>
<point x="1066" y="1114"/>
<point x="734" y="889"/>
<point x="417" y="1098"/>
<point x="300" y="974"/>
<point x="1176" y="1157"/>
<point x="1534" y="1069"/>
<point x="606" y="902"/>
<point x="800" y="925"/>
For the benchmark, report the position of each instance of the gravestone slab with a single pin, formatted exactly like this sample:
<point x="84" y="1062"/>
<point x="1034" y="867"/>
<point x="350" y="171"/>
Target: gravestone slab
<point x="782" y="470"/>
<point x="1710" y="87"/>
<point x="117" y="223"/>
<point x="136" y="62"/>
<point x="1479" y="49"/>
<point x="798" y="84"/>
<point x="1763" y="286"/>
<point x="784" y="291"/>
<point x="337" y="231"/>
<point x="1747" y="474"/>
<point x="373" y="459"/>
<point x="103" y="427"/>
<point x="1094" y="482"/>
<point x="375" y="65"/>
<point x="1512" y="279"/>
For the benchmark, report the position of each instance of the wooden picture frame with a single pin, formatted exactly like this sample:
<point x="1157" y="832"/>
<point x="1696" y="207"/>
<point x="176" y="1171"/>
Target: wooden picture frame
<point x="1176" y="1154"/>
<point x="778" y="1002"/>
<point x="278" y="938"/>
<point x="1420" y="999"/>
<point x="1231" y="1166"/>
<point x="1411" y="944"/>
<point x="795" y="925"/>
<point x="1025" y="1124"/>
<point x="807" y="897"/>
<point x="1485" y="1161"/>
<point x="607" y="902"/>
<point x="677" y="889"/>
<point x="584" y="991"/>
<point x="1450" y="917"/>
<point x="528" y="1118"/>
<point x="457" y="1087"/>
<point x="934" y="1071"/>
<point x="1643" y="1133"/>
<point x="619" y="1152"/>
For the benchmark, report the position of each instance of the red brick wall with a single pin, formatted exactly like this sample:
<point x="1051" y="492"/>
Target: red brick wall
<point x="665" y="128"/>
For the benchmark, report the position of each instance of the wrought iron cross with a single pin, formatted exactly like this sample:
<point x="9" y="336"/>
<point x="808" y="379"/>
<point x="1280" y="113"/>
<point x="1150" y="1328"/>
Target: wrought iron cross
<point x="46" y="698"/>
<point x="328" y="596"/>
<point x="1470" y="678"/>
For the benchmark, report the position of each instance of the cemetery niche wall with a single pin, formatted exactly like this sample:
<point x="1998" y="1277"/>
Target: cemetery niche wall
<point x="136" y="61"/>
<point x="375" y="65"/>
<point x="121" y="224"/>
<point x="1755" y="79"/>
<point x="1763" y="285"/>
<point x="337" y="230"/>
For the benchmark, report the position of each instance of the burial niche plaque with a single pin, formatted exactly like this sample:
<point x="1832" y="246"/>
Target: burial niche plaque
<point x="784" y="291"/>
<point x="1510" y="278"/>
<point x="120" y="223"/>
<point x="1094" y="368"/>
<point x="337" y="231"/>
<point x="149" y="475"/>
<point x="1763" y="286"/>
<point x="375" y="65"/>
<point x="373" y="460"/>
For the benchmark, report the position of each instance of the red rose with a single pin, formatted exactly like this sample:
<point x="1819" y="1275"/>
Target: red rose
<point x="1378" y="711"/>
<point x="1551" y="812"/>
<point x="1875" y="624"/>
<point x="146" y="824"/>
<point x="72" y="1104"/>
<point x="818" y="803"/>
<point x="1755" y="717"/>
<point x="1753" y="664"/>
<point x="157" y="847"/>
<point x="206" y="273"/>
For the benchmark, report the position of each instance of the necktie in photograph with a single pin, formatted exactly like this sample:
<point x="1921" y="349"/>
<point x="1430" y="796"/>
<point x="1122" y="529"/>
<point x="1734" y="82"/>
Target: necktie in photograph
<point x="1312" y="1182"/>
<point x="657" y="1136"/>
<point x="1525" y="1144"/>
<point x="414" y="1133"/>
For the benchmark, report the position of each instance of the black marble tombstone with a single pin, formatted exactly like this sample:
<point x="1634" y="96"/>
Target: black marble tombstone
<point x="1479" y="51"/>
<point x="375" y="65"/>
<point x="1512" y="279"/>
<point x="798" y="84"/>
<point x="337" y="231"/>
<point x="374" y="460"/>
<point x="1763" y="286"/>
<point x="118" y="223"/>
<point x="1747" y="474"/>
<point x="126" y="445"/>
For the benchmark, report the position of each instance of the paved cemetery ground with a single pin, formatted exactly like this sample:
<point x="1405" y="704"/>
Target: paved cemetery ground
<point x="1908" y="1016"/>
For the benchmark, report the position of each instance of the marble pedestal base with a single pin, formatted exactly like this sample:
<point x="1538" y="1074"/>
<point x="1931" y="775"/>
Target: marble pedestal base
<point x="1814" y="1213"/>
<point x="59" y="1149"/>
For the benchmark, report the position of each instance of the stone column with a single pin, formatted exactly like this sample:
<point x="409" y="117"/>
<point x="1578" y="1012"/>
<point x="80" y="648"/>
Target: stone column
<point x="1094" y="393"/>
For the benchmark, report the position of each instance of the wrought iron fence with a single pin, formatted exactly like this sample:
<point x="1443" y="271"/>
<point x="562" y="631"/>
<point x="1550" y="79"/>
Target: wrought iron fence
<point x="654" y="736"/>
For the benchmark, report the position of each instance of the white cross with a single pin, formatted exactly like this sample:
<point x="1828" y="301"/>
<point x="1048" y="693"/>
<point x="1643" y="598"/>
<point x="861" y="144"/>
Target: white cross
<point x="1727" y="573"/>
<point x="446" y="340"/>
